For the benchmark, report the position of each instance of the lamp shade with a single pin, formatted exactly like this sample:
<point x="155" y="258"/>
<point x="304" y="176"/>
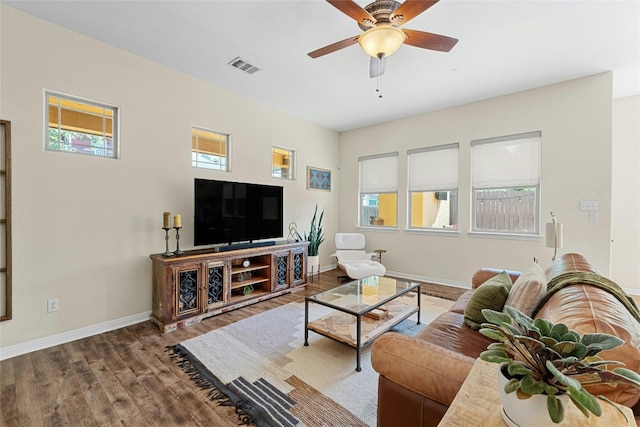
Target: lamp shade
<point x="381" y="41"/>
<point x="554" y="235"/>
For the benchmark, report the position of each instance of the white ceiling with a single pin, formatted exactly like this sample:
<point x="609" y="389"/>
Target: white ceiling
<point x="504" y="47"/>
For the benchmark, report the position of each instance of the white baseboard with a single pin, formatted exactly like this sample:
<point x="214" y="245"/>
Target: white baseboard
<point x="436" y="280"/>
<point x="65" y="337"/>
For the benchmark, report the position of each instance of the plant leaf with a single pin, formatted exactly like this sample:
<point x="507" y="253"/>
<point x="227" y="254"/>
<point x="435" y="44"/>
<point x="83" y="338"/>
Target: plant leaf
<point x="495" y="317"/>
<point x="563" y="379"/>
<point x="518" y="316"/>
<point x="497" y="346"/>
<point x="495" y="356"/>
<point x="555" y="409"/>
<point x="580" y="352"/>
<point x="578" y="405"/>
<point x="511" y="386"/>
<point x="549" y="389"/>
<point x="518" y="369"/>
<point x="544" y="326"/>
<point x="559" y="329"/>
<point x="493" y="334"/>
<point x="621" y="375"/>
<point x="598" y="342"/>
<point x="529" y="385"/>
<point x="565" y="348"/>
<point x="571" y="336"/>
<point x="581" y="397"/>
<point x="532" y="344"/>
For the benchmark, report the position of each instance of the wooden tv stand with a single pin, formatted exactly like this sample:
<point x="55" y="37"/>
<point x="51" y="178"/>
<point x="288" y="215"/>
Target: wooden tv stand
<point x="202" y="283"/>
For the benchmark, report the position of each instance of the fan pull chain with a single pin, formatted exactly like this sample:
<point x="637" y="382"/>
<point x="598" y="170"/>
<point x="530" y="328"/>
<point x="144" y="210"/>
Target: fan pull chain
<point x="379" y="80"/>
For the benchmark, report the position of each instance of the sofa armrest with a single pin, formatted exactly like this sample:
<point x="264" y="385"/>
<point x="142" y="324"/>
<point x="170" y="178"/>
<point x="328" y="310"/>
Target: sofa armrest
<point x="484" y="274"/>
<point x="420" y="366"/>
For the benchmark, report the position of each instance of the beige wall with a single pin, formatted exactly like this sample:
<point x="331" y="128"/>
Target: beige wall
<point x="83" y="227"/>
<point x="575" y="120"/>
<point x="625" y="218"/>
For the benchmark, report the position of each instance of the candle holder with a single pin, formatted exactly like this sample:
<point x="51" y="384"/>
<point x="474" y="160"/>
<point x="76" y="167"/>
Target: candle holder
<point x="178" y="251"/>
<point x="166" y="242"/>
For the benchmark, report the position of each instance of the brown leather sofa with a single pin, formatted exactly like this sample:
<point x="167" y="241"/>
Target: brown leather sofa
<point x="420" y="376"/>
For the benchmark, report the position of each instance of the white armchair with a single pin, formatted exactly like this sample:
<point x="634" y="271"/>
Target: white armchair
<point x="352" y="258"/>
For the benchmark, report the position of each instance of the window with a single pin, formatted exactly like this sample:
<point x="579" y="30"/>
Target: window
<point x="78" y="126"/>
<point x="209" y="149"/>
<point x="282" y="163"/>
<point x="433" y="187"/>
<point x="379" y="190"/>
<point x="506" y="184"/>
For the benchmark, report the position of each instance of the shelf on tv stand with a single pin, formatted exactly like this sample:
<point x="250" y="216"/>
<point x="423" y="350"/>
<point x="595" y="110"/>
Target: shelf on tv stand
<point x="250" y="282"/>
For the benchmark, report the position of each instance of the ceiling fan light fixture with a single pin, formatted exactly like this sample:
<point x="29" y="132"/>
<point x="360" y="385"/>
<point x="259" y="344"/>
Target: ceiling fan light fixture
<point x="381" y="41"/>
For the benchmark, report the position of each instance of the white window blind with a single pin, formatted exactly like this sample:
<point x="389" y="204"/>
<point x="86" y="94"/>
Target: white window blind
<point x="510" y="161"/>
<point x="433" y="168"/>
<point x="379" y="174"/>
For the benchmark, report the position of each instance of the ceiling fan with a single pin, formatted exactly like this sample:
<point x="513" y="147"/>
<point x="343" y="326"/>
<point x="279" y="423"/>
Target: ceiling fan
<point x="382" y="36"/>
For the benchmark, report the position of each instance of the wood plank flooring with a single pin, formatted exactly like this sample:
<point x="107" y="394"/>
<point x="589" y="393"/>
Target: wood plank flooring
<point x="123" y="377"/>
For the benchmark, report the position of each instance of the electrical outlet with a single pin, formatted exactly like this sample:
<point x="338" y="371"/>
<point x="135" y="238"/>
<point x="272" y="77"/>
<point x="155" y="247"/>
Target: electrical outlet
<point x="52" y="305"/>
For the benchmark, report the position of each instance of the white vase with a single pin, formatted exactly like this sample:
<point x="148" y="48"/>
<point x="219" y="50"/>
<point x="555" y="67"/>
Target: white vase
<point x="531" y="412"/>
<point x="313" y="264"/>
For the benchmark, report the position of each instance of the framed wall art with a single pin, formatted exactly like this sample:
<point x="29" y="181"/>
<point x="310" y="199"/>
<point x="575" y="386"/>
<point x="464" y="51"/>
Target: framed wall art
<point x="318" y="179"/>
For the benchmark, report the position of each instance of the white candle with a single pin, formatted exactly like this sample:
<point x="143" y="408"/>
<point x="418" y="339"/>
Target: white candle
<point x="166" y="220"/>
<point x="177" y="221"/>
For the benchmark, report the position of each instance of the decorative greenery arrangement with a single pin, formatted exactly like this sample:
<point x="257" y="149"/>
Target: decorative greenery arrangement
<point x="315" y="237"/>
<point x="546" y="358"/>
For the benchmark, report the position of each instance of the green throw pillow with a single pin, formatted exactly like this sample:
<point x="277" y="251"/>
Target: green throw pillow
<point x="491" y="294"/>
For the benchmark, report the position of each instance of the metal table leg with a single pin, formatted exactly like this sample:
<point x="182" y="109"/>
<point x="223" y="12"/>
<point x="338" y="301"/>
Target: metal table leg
<point x="306" y="322"/>
<point x="419" y="304"/>
<point x="358" y="333"/>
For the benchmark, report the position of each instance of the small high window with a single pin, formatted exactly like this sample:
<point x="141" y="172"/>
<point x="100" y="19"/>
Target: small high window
<point x="506" y="184"/>
<point x="79" y="126"/>
<point x="209" y="149"/>
<point x="379" y="190"/>
<point x="282" y="163"/>
<point x="433" y="187"/>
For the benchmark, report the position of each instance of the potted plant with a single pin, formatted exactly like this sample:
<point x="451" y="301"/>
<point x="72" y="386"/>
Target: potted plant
<point x="315" y="239"/>
<point x="538" y="357"/>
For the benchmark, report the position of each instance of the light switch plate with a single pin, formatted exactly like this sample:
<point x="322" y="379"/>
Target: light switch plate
<point x="588" y="205"/>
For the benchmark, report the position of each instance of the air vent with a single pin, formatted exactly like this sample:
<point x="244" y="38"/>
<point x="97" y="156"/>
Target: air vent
<point x="243" y="65"/>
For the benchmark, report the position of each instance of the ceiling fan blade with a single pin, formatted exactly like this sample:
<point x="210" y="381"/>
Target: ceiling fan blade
<point x="410" y="9"/>
<point x="429" y="40"/>
<point x="334" y="47"/>
<point x="352" y="9"/>
<point x="376" y="66"/>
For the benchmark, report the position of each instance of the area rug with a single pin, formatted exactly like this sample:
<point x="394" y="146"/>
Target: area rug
<point x="260" y="365"/>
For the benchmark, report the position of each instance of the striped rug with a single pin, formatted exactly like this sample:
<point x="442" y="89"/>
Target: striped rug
<point x="261" y="366"/>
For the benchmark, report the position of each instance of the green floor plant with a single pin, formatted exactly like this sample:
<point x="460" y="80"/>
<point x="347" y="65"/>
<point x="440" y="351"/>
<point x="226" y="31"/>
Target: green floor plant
<point x="315" y="236"/>
<point x="540" y="357"/>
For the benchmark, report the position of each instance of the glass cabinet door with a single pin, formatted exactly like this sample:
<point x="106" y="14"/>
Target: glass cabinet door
<point x="187" y="295"/>
<point x="216" y="292"/>
<point x="281" y="268"/>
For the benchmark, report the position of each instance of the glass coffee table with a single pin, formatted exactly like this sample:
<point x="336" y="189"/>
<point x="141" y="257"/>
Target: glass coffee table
<point x="371" y="304"/>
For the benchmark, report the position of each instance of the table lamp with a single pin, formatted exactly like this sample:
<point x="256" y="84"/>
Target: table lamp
<point x="554" y="235"/>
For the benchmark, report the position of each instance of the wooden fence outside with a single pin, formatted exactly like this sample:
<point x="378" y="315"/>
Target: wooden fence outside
<point x="505" y="210"/>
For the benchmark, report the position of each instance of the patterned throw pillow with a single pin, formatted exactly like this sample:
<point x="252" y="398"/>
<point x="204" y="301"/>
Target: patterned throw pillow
<point x="528" y="290"/>
<point x="491" y="294"/>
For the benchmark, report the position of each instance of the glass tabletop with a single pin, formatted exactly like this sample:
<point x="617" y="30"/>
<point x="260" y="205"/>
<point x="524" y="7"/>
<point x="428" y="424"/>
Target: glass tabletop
<point x="361" y="296"/>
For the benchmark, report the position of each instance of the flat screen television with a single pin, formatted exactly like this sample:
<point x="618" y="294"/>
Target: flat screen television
<point x="235" y="212"/>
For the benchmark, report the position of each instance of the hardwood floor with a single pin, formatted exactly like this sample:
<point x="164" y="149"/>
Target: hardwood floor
<point x="121" y="378"/>
<point x="125" y="377"/>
